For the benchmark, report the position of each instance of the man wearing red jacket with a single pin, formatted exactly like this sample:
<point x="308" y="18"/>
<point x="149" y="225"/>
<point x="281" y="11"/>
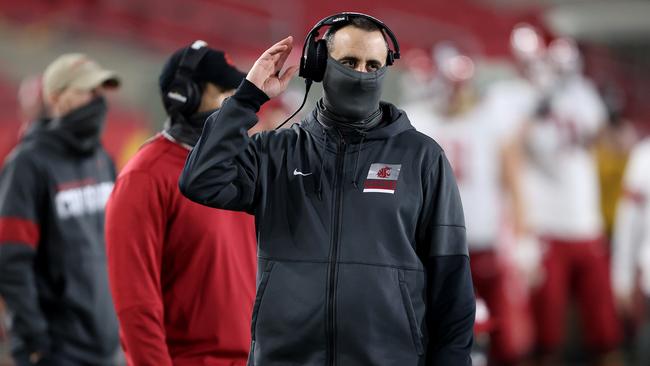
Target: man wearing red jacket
<point x="182" y="275"/>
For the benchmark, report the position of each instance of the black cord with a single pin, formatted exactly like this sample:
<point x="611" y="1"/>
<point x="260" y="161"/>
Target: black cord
<point x="307" y="87"/>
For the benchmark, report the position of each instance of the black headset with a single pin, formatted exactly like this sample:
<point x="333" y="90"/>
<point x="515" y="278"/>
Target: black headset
<point x="314" y="52"/>
<point x="184" y="94"/>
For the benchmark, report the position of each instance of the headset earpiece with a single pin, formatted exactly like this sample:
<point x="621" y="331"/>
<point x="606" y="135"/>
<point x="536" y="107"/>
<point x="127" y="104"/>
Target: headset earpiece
<point x="309" y="62"/>
<point x="184" y="94"/>
<point x="313" y="65"/>
<point x="320" y="60"/>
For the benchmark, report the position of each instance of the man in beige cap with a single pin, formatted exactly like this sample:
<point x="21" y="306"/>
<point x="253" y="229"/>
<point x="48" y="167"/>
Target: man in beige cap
<point x="53" y="189"/>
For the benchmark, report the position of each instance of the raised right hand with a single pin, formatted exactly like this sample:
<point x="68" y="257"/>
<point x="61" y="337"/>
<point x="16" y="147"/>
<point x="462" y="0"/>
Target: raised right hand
<point x="265" y="73"/>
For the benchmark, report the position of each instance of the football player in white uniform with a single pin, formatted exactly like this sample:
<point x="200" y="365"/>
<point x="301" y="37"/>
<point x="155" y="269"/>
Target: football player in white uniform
<point x="561" y="186"/>
<point x="477" y="146"/>
<point x="631" y="244"/>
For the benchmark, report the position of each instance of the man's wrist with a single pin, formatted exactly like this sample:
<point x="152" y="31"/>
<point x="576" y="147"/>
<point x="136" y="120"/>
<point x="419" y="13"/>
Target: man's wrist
<point x="249" y="94"/>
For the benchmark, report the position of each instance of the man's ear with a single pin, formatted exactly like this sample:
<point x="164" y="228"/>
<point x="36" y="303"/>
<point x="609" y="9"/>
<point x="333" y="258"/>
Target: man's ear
<point x="212" y="97"/>
<point x="51" y="98"/>
<point x="50" y="101"/>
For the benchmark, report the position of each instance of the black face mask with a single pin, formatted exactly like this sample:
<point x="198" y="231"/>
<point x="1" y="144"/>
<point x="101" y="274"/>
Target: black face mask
<point x="82" y="127"/>
<point x="86" y="121"/>
<point x="350" y="94"/>
<point x="187" y="130"/>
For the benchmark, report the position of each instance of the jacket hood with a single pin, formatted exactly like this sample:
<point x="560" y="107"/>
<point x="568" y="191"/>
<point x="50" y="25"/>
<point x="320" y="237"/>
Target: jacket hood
<point x="64" y="140"/>
<point x="398" y="122"/>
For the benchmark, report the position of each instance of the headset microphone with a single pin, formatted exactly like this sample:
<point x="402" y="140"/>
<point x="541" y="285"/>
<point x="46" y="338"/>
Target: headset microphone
<point x="308" y="83"/>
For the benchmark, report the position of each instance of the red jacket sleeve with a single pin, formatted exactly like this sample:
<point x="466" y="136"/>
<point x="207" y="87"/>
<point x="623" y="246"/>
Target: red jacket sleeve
<point x="135" y="227"/>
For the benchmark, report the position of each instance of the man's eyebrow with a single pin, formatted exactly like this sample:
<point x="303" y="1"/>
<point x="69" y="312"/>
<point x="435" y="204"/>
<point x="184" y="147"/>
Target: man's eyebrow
<point x="354" y="58"/>
<point x="349" y="58"/>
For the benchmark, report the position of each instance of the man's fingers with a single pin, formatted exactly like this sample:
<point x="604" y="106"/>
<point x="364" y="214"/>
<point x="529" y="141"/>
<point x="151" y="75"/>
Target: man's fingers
<point x="289" y="73"/>
<point x="280" y="46"/>
<point x="284" y="54"/>
<point x="274" y="51"/>
<point x="269" y="65"/>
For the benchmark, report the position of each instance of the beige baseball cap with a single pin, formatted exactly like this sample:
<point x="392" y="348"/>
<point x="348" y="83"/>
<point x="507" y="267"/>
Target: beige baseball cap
<point x="78" y="71"/>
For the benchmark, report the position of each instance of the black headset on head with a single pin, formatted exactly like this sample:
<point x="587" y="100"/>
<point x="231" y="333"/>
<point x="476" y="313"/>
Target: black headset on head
<point x="184" y="94"/>
<point x="314" y="52"/>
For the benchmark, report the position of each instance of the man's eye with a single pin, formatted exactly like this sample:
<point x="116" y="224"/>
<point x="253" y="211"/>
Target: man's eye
<point x="373" y="67"/>
<point x="348" y="63"/>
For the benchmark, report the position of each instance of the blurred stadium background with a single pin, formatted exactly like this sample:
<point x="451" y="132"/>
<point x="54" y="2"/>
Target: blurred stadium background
<point x="134" y="37"/>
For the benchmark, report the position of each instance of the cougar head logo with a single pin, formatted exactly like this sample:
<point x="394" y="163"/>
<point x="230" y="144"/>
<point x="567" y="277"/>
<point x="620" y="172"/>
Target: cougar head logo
<point x="384" y="172"/>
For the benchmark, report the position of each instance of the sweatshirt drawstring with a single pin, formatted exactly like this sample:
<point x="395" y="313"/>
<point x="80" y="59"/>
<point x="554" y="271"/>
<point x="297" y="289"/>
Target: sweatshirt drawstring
<point x="355" y="175"/>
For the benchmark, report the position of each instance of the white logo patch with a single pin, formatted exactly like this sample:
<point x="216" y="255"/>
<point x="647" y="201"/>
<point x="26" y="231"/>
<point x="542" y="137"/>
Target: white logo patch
<point x="80" y="201"/>
<point x="382" y="178"/>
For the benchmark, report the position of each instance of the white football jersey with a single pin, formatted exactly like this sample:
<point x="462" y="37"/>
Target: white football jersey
<point x="511" y="102"/>
<point x="472" y="142"/>
<point x="560" y="180"/>
<point x="631" y="241"/>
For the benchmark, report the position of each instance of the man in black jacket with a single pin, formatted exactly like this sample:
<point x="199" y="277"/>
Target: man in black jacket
<point x="361" y="237"/>
<point x="53" y="189"/>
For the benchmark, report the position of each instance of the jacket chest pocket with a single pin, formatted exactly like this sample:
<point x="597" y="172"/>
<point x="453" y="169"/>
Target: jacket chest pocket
<point x="416" y="334"/>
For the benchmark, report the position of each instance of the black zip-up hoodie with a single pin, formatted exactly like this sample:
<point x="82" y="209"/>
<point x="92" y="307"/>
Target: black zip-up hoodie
<point x="361" y="239"/>
<point x="53" y="277"/>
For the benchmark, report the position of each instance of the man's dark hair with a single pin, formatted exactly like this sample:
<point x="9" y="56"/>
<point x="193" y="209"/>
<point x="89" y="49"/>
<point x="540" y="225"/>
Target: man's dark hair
<point x="361" y="23"/>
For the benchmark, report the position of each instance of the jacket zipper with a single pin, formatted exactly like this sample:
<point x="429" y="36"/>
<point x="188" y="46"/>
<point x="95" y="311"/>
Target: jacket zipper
<point x="333" y="262"/>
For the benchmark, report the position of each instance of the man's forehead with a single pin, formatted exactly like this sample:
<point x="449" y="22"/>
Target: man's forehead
<point x="358" y="42"/>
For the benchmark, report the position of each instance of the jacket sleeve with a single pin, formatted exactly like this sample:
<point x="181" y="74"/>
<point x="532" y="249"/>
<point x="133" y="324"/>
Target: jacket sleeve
<point x="135" y="228"/>
<point x="443" y="250"/>
<point x="223" y="168"/>
<point x="21" y="196"/>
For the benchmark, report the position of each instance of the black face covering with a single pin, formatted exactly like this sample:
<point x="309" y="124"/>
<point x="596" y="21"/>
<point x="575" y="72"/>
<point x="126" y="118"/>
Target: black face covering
<point x="82" y="127"/>
<point x="351" y="95"/>
<point x="187" y="130"/>
<point x="329" y="119"/>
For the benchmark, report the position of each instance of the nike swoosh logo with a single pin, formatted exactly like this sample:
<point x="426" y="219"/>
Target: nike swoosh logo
<point x="296" y="172"/>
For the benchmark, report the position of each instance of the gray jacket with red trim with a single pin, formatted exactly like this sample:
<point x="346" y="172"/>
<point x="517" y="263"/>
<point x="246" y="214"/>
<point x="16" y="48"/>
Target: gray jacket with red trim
<point x="53" y="277"/>
<point x="361" y="239"/>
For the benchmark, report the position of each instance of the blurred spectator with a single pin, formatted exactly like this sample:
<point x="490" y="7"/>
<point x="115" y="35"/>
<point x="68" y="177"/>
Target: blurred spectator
<point x="30" y="109"/>
<point x="480" y="150"/>
<point x="561" y="183"/>
<point x="194" y="265"/>
<point x="53" y="189"/>
<point x="631" y="245"/>
<point x="33" y="113"/>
